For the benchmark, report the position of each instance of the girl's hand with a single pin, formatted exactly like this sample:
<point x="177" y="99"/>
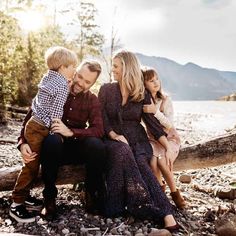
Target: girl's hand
<point x="169" y="158"/>
<point x="27" y="154"/>
<point x="151" y="108"/>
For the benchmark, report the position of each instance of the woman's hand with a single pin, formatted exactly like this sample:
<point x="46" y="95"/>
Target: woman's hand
<point x="27" y="153"/>
<point x="151" y="108"/>
<point x="120" y="138"/>
<point x="59" y="127"/>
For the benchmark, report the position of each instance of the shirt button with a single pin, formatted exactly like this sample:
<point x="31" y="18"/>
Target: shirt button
<point x="70" y="109"/>
<point x="67" y="120"/>
<point x="74" y="97"/>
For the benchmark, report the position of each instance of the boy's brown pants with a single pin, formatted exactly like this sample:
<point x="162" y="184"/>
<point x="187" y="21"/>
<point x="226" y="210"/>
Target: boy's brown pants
<point x="34" y="133"/>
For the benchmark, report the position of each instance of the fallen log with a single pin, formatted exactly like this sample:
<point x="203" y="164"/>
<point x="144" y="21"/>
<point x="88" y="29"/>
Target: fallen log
<point x="218" y="151"/>
<point x="17" y="109"/>
<point x="68" y="174"/>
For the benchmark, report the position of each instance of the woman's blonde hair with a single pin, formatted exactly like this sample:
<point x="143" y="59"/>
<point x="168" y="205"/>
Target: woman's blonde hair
<point x="132" y="76"/>
<point x="58" y="56"/>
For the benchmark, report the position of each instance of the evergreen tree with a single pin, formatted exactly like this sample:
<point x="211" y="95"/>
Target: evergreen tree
<point x="90" y="40"/>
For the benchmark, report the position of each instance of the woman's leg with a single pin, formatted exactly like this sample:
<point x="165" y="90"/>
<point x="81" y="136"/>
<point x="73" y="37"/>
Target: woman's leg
<point x="117" y="158"/>
<point x="159" y="199"/>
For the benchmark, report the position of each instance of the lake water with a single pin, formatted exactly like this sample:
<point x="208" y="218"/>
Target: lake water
<point x="213" y="117"/>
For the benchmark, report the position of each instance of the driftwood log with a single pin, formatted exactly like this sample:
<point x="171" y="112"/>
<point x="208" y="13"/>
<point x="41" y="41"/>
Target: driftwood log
<point x="218" y="151"/>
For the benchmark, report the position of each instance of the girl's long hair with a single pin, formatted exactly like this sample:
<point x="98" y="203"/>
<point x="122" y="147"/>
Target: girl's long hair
<point x="148" y="74"/>
<point x="132" y="78"/>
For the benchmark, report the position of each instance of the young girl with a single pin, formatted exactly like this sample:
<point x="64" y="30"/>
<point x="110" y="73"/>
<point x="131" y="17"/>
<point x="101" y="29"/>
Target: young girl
<point x="162" y="108"/>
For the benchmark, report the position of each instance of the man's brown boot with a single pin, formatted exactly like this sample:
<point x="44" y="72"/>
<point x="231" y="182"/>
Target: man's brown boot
<point x="178" y="199"/>
<point x="50" y="209"/>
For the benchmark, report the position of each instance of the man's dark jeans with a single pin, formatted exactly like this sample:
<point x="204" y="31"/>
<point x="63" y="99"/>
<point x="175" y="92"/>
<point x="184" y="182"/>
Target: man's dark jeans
<point x="56" y="152"/>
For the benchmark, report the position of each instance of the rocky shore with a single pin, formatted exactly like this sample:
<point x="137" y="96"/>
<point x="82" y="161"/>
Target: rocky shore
<point x="206" y="213"/>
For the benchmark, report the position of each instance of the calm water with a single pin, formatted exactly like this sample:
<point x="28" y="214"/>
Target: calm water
<point x="206" y="115"/>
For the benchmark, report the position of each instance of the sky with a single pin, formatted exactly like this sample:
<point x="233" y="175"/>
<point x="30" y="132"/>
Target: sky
<point x="198" y="31"/>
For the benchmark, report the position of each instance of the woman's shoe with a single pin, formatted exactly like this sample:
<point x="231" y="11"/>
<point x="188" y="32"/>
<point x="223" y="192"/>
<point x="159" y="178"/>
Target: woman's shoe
<point x="178" y="199"/>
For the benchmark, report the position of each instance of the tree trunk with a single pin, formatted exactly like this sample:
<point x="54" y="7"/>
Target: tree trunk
<point x="218" y="151"/>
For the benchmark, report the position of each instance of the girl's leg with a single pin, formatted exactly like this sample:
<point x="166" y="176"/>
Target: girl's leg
<point x="167" y="173"/>
<point x="156" y="170"/>
<point x="169" y="178"/>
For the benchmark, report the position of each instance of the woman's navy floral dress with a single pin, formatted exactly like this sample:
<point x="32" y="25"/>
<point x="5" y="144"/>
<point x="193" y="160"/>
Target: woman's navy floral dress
<point x="131" y="185"/>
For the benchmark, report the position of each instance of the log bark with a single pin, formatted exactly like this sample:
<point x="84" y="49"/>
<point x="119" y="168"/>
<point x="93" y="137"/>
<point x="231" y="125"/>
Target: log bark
<point x="218" y="151"/>
<point x="17" y="109"/>
<point x="68" y="174"/>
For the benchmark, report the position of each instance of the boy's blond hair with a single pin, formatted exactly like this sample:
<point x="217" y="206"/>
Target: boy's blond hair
<point x="58" y="56"/>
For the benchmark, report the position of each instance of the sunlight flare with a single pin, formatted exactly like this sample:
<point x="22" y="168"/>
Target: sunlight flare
<point x="30" y="20"/>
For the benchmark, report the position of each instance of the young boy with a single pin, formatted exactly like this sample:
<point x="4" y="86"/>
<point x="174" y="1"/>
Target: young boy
<point x="47" y="105"/>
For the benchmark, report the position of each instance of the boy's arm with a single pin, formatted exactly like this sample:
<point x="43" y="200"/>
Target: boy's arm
<point x="21" y="139"/>
<point x="22" y="144"/>
<point x="57" y="108"/>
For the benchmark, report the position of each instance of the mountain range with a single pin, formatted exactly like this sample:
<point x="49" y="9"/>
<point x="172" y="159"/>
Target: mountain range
<point x="191" y="81"/>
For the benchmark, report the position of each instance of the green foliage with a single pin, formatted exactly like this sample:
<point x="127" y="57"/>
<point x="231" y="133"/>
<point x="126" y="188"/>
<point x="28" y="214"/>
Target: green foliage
<point x="22" y="63"/>
<point x="90" y="40"/>
<point x="34" y="65"/>
<point x="10" y="57"/>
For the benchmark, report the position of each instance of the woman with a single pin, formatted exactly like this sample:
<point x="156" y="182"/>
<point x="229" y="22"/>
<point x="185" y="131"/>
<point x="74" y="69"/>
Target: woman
<point x="162" y="109"/>
<point x="131" y="185"/>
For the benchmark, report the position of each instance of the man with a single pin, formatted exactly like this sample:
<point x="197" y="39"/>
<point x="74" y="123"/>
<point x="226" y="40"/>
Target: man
<point x="72" y="142"/>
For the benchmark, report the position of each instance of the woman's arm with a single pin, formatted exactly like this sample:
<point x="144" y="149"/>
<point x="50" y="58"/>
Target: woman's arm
<point x="102" y="96"/>
<point x="153" y="125"/>
<point x="164" y="114"/>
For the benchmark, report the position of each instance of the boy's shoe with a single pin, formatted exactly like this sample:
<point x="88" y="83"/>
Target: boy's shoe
<point x="33" y="204"/>
<point x="21" y="214"/>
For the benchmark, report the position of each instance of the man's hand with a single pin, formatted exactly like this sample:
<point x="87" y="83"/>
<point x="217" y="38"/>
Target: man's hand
<point x="151" y="108"/>
<point x="27" y="153"/>
<point x="59" y="127"/>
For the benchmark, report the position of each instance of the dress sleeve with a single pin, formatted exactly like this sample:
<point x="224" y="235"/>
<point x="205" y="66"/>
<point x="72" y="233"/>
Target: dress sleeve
<point x="102" y="96"/>
<point x="152" y="124"/>
<point x="166" y="117"/>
